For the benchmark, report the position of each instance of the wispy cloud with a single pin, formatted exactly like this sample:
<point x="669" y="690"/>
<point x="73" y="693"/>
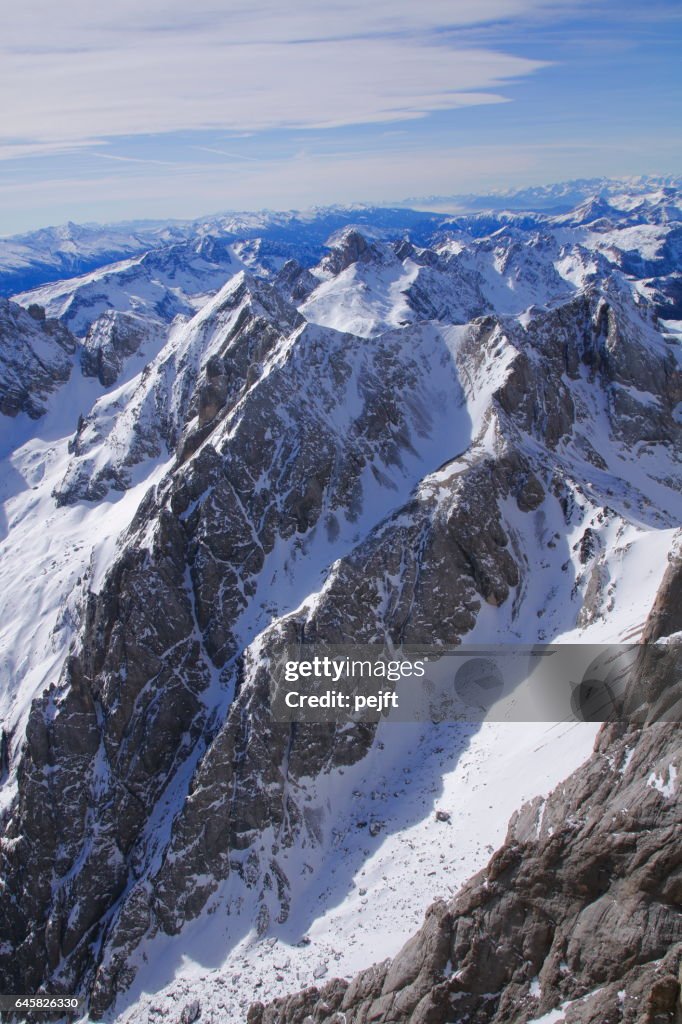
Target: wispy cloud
<point x="170" y="108"/>
<point x="228" y="153"/>
<point x="79" y="70"/>
<point x="135" y="160"/>
<point x="306" y="179"/>
<point x="18" y="149"/>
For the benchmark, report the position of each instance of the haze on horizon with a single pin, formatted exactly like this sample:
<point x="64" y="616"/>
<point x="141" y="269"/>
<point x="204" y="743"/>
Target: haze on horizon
<point x="161" y="110"/>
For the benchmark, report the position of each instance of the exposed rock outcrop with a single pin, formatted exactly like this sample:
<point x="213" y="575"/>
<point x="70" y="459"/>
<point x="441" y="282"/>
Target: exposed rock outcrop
<point x="36" y="357"/>
<point x="578" y="914"/>
<point x="111" y="339"/>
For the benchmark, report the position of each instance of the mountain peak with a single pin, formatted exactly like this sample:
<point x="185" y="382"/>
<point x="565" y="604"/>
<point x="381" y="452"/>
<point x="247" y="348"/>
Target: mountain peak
<point x="347" y="247"/>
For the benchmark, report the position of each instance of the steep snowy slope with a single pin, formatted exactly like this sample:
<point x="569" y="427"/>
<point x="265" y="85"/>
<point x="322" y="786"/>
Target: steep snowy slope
<point x="473" y="441"/>
<point x="575" y="918"/>
<point x="358" y="895"/>
<point x="49" y="555"/>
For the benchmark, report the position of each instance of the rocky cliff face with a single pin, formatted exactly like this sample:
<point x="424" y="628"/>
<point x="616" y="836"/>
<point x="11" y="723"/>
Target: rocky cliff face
<point x="36" y="356"/>
<point x="401" y="443"/>
<point x="577" y="917"/>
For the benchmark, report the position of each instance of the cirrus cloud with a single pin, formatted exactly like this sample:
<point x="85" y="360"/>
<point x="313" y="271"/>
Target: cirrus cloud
<point x="78" y="71"/>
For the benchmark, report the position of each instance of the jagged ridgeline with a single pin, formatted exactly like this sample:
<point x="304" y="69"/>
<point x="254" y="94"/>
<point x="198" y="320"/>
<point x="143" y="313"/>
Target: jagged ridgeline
<point x="432" y="430"/>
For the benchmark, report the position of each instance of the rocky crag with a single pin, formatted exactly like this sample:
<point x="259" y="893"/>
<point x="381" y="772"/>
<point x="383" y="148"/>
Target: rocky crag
<point x="35" y="358"/>
<point x="578" y="916"/>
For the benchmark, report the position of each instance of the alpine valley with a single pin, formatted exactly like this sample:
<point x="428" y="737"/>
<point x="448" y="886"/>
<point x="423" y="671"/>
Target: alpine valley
<point x="367" y="425"/>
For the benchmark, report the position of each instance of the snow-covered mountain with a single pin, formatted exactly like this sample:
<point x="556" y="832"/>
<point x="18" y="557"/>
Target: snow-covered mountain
<point x="69" y="250"/>
<point x="52" y="254"/>
<point x="444" y="428"/>
<point x="559" y="197"/>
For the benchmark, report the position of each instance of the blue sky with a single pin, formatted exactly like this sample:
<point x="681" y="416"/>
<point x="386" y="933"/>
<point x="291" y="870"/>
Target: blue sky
<point x="161" y="108"/>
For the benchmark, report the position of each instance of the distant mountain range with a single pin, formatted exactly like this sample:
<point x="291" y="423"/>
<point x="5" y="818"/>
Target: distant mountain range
<point x="50" y="254"/>
<point x="556" y="198"/>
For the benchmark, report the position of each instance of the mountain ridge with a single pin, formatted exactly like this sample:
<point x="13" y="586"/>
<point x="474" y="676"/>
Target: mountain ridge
<point x="473" y="440"/>
<point x="38" y="257"/>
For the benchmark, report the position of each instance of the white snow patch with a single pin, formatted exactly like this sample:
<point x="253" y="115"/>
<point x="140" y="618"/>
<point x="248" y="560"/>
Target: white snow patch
<point x="666" y="785"/>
